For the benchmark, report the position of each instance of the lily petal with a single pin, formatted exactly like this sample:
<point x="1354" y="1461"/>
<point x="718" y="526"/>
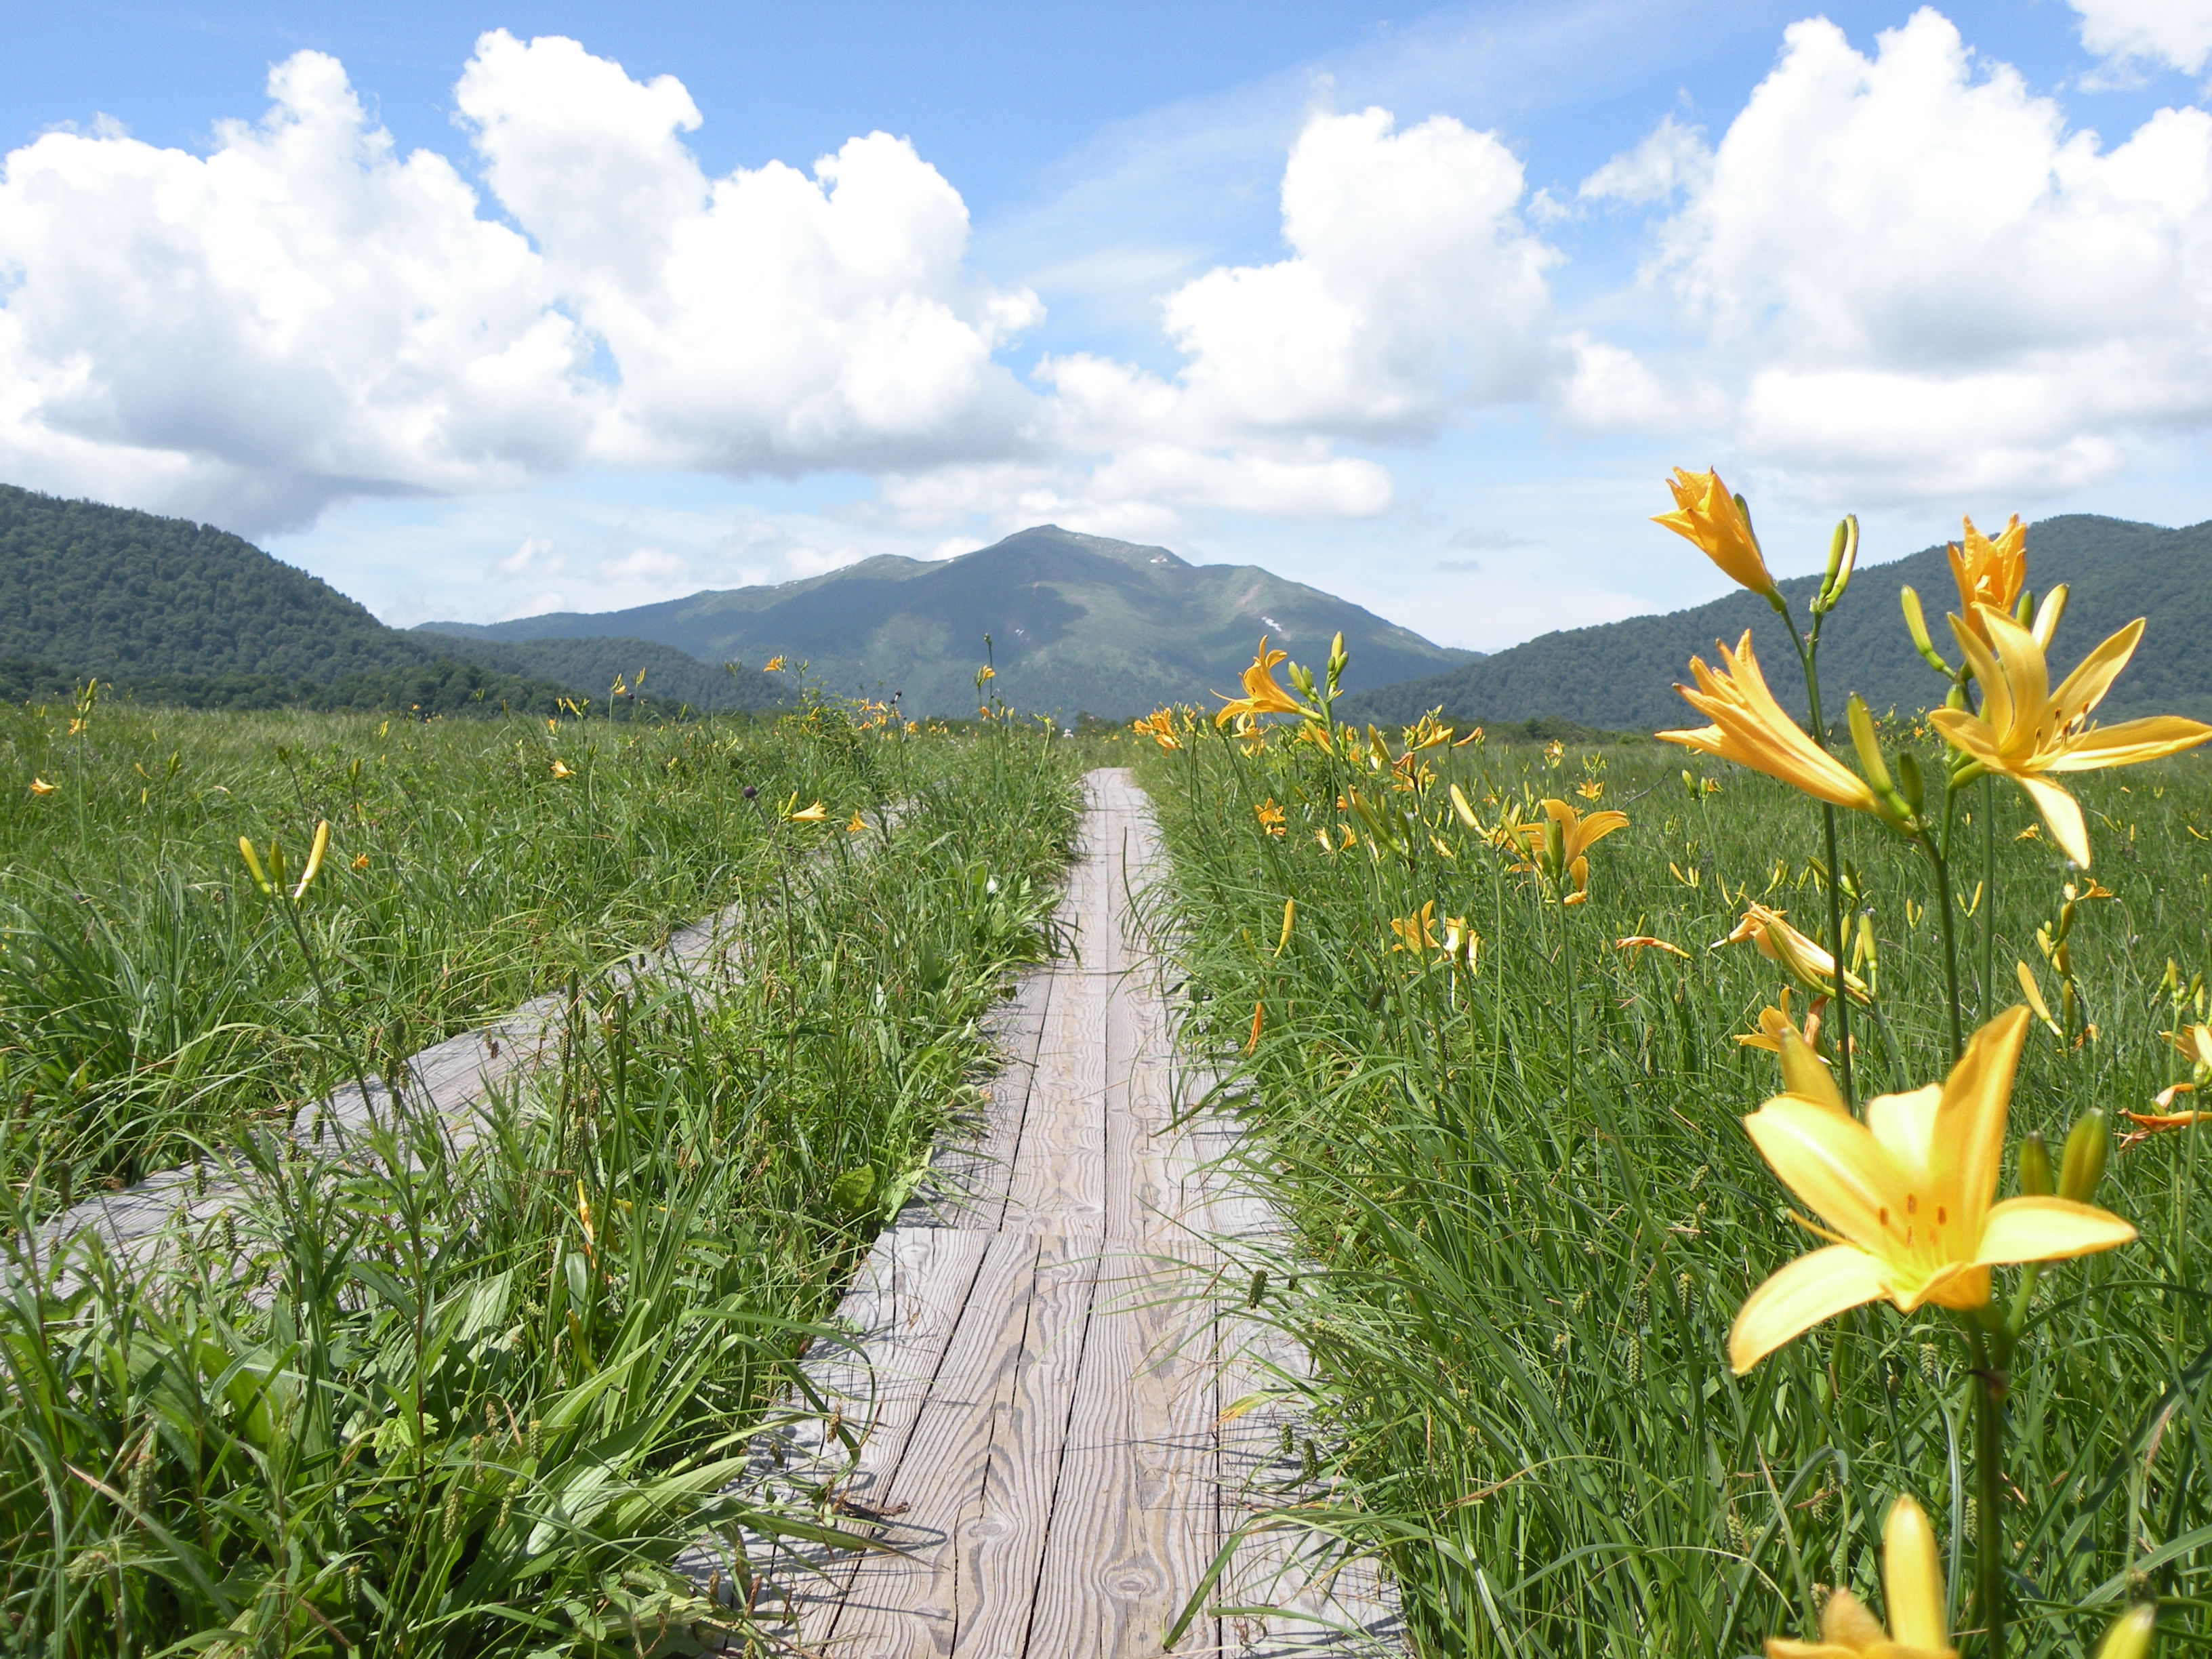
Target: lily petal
<point x="1798" y="1296"/>
<point x="2131" y="742"/>
<point x="1834" y="1163"/>
<point x="2085" y="688"/>
<point x="1912" y="1580"/>
<point x="2049" y="1230"/>
<point x="1968" y="1152"/>
<point x="2061" y="815"/>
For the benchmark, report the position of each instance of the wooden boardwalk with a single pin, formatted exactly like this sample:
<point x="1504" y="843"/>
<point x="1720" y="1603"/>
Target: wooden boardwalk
<point x="1048" y="1344"/>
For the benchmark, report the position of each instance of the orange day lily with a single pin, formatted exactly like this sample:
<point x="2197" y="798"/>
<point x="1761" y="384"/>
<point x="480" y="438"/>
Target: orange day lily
<point x="1270" y="816"/>
<point x="1159" y="727"/>
<point x="2025" y="731"/>
<point x="1799" y="956"/>
<point x="1989" y="572"/>
<point x="1750" y="728"/>
<point x="1561" y="841"/>
<point x="1906" y="1198"/>
<point x="1416" y="933"/>
<point x="1707" y="516"/>
<point x="1263" y="693"/>
<point x="1647" y="942"/>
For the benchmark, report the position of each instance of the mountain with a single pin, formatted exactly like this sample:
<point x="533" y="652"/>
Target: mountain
<point x="178" y="612"/>
<point x="1619" y="676"/>
<point x="1076" y="623"/>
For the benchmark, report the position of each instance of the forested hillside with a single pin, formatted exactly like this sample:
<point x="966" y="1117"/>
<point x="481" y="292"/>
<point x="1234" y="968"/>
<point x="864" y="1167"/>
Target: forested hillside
<point x="1076" y="623"/>
<point x="1618" y="676"/>
<point x="174" y="612"/>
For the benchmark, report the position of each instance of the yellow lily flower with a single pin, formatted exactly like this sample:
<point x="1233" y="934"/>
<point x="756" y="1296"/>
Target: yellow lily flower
<point x="1416" y="933"/>
<point x="1990" y="573"/>
<point x="1270" y="816"/>
<point x="856" y="824"/>
<point x="40" y="786"/>
<point x="1263" y="693"/>
<point x="1647" y="942"/>
<point x="773" y="666"/>
<point x="1706" y="515"/>
<point x="1750" y="728"/>
<point x="1774" y="1024"/>
<point x="1560" y="841"/>
<point x="1159" y="727"/>
<point x="1800" y="957"/>
<point x="1912" y="1577"/>
<point x="1908" y="1194"/>
<point x="2025" y="731"/>
<point x="814" y="814"/>
<point x="560" y="769"/>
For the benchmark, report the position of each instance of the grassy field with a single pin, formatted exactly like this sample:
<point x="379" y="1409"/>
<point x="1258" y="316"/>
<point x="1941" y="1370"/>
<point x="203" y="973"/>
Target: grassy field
<point x="1527" y="1212"/>
<point x="441" y="1401"/>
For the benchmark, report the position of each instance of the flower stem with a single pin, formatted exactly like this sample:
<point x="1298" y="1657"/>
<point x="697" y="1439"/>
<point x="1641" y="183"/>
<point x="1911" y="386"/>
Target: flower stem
<point x="1989" y="891"/>
<point x="1817" y="727"/>
<point x="1990" y="1380"/>
<point x="1950" y="946"/>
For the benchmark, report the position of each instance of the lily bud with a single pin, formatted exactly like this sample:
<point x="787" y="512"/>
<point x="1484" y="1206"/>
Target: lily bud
<point x="2083" y="1166"/>
<point x="1909" y="783"/>
<point x="1842" y="558"/>
<point x="2034" y="1165"/>
<point x="1301" y="676"/>
<point x="253" y="864"/>
<point x="1555" y="848"/>
<point x="1916" y="625"/>
<point x="1863" y="739"/>
<point x="2024" y="608"/>
<point x="2047" y="614"/>
<point x="2131" y="1633"/>
<point x="1464" y="813"/>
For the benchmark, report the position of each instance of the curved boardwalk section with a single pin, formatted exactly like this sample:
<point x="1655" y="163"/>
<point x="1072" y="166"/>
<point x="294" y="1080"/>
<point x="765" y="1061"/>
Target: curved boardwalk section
<point x="1041" y="1368"/>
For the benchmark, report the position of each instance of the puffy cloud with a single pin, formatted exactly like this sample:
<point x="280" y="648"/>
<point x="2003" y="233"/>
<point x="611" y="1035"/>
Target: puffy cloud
<point x="2177" y="33"/>
<point x="1412" y="291"/>
<point x="1934" y="287"/>
<point x="771" y="320"/>
<point x="303" y="314"/>
<point x="1671" y="158"/>
<point x="299" y="315"/>
<point x="1411" y="286"/>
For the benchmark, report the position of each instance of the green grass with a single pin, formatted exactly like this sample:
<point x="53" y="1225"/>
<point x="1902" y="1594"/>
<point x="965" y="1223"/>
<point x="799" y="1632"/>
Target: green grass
<point x="1525" y="1216"/>
<point x="441" y="1401"/>
<point x="149" y="995"/>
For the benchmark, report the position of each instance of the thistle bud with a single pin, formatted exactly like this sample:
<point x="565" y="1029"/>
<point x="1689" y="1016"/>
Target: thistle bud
<point x="2034" y="1165"/>
<point x="2084" y="1165"/>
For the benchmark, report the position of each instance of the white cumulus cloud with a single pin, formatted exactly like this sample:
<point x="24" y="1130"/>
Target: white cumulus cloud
<point x="1932" y="286"/>
<point x="772" y="319"/>
<point x="2177" y="33"/>
<point x="301" y="314"/>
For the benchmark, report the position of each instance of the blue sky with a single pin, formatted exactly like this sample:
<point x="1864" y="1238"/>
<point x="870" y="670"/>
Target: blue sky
<point x="1417" y="306"/>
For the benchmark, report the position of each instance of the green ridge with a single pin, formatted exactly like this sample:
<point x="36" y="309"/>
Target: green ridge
<point x="1617" y="676"/>
<point x="1078" y="624"/>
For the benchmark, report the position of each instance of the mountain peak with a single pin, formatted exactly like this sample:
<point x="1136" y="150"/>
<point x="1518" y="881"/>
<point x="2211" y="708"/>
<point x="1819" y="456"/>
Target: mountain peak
<point x="1076" y="622"/>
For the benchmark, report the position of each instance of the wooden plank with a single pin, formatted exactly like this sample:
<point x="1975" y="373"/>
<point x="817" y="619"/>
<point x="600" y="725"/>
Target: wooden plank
<point x="967" y="1479"/>
<point x="1058" y="1183"/>
<point x="1133" y="1514"/>
<point x="1002" y="1537"/>
<point x="971" y="1174"/>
